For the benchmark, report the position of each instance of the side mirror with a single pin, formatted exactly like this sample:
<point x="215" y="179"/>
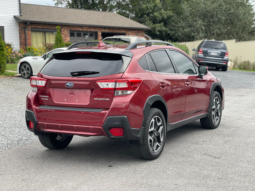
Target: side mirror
<point x="193" y="49"/>
<point x="202" y="70"/>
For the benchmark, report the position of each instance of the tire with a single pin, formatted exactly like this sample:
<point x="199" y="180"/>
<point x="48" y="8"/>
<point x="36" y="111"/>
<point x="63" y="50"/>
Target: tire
<point x="55" y="141"/>
<point x="212" y="121"/>
<point x="225" y="68"/>
<point x="25" y="70"/>
<point x="154" y="136"/>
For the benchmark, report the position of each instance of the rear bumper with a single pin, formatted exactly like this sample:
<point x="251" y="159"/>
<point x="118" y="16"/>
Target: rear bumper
<point x="212" y="62"/>
<point x="130" y="134"/>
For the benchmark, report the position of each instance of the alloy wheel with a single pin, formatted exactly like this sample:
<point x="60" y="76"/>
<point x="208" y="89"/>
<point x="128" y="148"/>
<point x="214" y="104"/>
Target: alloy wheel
<point x="25" y="70"/>
<point x="156" y="134"/>
<point x="216" y="110"/>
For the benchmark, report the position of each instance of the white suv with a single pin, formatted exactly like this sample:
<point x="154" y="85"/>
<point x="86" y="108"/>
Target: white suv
<point x="124" y="39"/>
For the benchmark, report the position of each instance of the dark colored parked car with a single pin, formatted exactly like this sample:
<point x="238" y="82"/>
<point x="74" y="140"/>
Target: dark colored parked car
<point x="135" y="94"/>
<point x="212" y="53"/>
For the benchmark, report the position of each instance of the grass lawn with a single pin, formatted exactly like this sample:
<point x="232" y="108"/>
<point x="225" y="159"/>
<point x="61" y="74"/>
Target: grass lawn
<point x="8" y="74"/>
<point x="12" y="67"/>
<point x="244" y="70"/>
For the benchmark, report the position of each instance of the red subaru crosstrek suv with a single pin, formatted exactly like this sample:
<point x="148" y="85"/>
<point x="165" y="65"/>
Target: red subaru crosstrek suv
<point x="135" y="94"/>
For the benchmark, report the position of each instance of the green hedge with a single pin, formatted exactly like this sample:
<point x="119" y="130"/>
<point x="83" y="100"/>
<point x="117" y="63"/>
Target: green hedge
<point x="180" y="46"/>
<point x="2" y="56"/>
<point x="67" y="44"/>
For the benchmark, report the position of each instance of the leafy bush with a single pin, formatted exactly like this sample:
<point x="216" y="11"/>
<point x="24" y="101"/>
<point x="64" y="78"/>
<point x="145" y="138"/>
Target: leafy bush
<point x="28" y="48"/>
<point x="59" y="43"/>
<point x="181" y="46"/>
<point x="2" y="56"/>
<point x="247" y="65"/>
<point x="67" y="44"/>
<point x="35" y="51"/>
<point x="12" y="56"/>
<point x="242" y="65"/>
<point x="28" y="54"/>
<point x="49" y="46"/>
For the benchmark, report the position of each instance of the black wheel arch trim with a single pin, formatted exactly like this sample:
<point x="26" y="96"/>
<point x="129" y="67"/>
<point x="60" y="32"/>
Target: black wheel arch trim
<point x="149" y="102"/>
<point x="213" y="86"/>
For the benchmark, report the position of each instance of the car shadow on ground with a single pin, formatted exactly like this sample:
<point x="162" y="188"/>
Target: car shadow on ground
<point x="102" y="149"/>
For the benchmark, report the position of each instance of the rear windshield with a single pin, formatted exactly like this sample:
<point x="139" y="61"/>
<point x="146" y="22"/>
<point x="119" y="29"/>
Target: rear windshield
<point x="93" y="64"/>
<point x="215" y="45"/>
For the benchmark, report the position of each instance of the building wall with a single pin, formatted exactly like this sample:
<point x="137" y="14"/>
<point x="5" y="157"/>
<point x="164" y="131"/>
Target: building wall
<point x="8" y="9"/>
<point x="244" y="50"/>
<point x="65" y="31"/>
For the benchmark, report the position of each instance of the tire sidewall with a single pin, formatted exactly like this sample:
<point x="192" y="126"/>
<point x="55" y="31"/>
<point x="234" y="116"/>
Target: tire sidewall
<point x="211" y="105"/>
<point x="154" y="112"/>
<point x="31" y="72"/>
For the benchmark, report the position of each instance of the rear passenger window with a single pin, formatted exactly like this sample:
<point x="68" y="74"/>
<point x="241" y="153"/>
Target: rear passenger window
<point x="143" y="63"/>
<point x="184" y="65"/>
<point x="151" y="64"/>
<point x="162" y="62"/>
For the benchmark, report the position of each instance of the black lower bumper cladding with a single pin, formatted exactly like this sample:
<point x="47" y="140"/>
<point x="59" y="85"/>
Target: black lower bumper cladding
<point x="130" y="134"/>
<point x="30" y="116"/>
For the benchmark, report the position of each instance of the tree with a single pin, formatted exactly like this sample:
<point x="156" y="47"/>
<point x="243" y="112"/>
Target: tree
<point x="59" y="43"/>
<point x="2" y="56"/>
<point x="214" y="19"/>
<point x="182" y="20"/>
<point x="150" y="13"/>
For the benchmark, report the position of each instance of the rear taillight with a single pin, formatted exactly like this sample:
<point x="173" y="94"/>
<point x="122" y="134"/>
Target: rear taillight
<point x="200" y="51"/>
<point x="121" y="87"/>
<point x="226" y="55"/>
<point x="36" y="82"/>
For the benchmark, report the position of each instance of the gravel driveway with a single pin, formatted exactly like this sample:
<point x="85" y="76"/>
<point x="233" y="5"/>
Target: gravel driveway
<point x="193" y="158"/>
<point x="13" y="91"/>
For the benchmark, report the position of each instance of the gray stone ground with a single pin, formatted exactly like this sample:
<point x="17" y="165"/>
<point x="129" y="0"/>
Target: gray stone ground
<point x="193" y="158"/>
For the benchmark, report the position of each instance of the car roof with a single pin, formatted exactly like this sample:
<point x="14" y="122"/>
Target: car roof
<point x="123" y="36"/>
<point x="214" y="41"/>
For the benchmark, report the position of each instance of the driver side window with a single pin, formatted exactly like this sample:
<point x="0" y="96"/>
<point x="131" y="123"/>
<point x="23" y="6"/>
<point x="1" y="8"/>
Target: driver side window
<point x="183" y="64"/>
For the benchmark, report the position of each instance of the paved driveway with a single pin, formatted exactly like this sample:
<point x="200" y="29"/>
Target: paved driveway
<point x="193" y="158"/>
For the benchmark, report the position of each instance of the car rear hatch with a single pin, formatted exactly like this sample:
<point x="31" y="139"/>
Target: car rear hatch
<point x="214" y="50"/>
<point x="70" y="86"/>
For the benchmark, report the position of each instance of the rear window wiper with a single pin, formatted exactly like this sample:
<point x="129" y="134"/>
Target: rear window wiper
<point x="81" y="73"/>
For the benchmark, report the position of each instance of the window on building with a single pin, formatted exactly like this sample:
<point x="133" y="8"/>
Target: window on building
<point x="41" y="38"/>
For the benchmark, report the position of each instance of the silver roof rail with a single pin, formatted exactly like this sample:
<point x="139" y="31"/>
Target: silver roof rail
<point x="147" y="43"/>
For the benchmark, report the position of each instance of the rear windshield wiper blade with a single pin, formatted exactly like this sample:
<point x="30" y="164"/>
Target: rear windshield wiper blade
<point x="81" y="73"/>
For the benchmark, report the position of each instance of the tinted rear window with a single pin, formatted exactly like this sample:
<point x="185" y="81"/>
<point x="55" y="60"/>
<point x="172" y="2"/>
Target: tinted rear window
<point x="143" y="63"/>
<point x="215" y="45"/>
<point x="106" y="64"/>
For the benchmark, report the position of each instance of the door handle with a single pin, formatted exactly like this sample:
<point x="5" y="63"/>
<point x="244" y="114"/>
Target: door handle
<point x="187" y="83"/>
<point x="162" y="85"/>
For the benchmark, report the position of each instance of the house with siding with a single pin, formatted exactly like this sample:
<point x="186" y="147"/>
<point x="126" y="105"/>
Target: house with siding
<point x="35" y="25"/>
